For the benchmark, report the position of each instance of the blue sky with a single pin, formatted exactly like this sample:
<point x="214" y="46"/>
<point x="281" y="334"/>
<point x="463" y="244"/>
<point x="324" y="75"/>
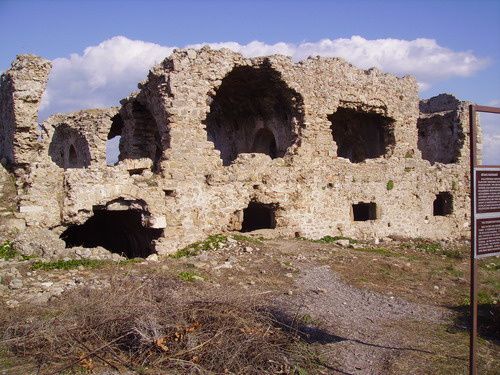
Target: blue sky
<point x="464" y="59"/>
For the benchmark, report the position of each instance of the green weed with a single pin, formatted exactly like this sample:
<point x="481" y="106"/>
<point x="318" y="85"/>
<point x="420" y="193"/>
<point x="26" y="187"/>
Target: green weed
<point x="390" y="185"/>
<point x="330" y="239"/>
<point x="211" y="243"/>
<point x="189" y="276"/>
<point x="6" y="251"/>
<point x="69" y="264"/>
<point x="242" y="238"/>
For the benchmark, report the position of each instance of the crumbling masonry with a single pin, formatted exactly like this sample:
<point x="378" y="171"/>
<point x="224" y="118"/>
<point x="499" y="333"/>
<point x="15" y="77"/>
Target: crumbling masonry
<point x="215" y="142"/>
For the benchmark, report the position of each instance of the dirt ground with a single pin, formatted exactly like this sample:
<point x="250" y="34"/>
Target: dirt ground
<point x="395" y="307"/>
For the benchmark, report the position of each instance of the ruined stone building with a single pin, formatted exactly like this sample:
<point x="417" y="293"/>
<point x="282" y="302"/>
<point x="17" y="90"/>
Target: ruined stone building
<point x="214" y="142"/>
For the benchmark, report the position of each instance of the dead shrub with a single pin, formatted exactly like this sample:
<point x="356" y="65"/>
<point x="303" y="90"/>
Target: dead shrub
<point x="138" y="326"/>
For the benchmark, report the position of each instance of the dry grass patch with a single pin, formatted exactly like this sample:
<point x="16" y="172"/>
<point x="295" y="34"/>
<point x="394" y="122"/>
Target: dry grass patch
<point x="140" y="326"/>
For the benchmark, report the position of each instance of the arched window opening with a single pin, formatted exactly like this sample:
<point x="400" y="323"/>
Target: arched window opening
<point x="254" y="110"/>
<point x="119" y="231"/>
<point x="361" y="135"/>
<point x="69" y="148"/>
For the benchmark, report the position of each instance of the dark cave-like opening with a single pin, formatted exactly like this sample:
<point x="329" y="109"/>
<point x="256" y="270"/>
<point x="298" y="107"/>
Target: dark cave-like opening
<point x="361" y="135"/>
<point x="364" y="211"/>
<point x="120" y="232"/>
<point x="443" y="204"/>
<point x="258" y="216"/>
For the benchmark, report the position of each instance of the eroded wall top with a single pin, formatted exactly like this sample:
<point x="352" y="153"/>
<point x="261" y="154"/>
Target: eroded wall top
<point x="21" y="90"/>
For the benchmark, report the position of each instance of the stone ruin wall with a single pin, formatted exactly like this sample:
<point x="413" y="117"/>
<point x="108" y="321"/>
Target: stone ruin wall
<point x="209" y="132"/>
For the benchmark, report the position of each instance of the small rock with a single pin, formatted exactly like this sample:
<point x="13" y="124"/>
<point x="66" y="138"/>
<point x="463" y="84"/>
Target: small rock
<point x="46" y="285"/>
<point x="226" y="264"/>
<point x="153" y="258"/>
<point x="16" y="283"/>
<point x="289" y="274"/>
<point x="343" y="243"/>
<point x="319" y="290"/>
<point x="248" y="249"/>
<point x="289" y="292"/>
<point x="12" y="303"/>
<point x="436" y="287"/>
<point x="376" y="241"/>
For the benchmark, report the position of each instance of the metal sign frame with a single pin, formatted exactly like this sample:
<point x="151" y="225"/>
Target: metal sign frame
<point x="484" y="215"/>
<point x="473" y="109"/>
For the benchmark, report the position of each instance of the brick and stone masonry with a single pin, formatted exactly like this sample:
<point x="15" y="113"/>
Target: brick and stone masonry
<point x="214" y="142"/>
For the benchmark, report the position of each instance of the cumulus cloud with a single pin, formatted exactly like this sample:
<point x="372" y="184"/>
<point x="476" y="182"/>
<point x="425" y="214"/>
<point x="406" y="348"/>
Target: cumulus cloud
<point x="101" y="76"/>
<point x="105" y="73"/>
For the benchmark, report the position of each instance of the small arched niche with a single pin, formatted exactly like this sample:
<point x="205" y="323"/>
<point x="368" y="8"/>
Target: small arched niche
<point x="119" y="227"/>
<point x="254" y="111"/>
<point x="361" y="135"/>
<point x="69" y="148"/>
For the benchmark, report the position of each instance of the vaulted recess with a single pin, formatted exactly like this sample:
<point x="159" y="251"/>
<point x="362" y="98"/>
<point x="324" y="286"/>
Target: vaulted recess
<point x="254" y="111"/>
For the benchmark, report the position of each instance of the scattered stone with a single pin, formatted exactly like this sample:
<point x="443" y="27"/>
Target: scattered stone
<point x="153" y="258"/>
<point x="16" y="283"/>
<point x="343" y="242"/>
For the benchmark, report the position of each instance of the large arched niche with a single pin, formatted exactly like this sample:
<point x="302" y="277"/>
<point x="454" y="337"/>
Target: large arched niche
<point x="254" y="110"/>
<point x="69" y="148"/>
<point x="142" y="136"/>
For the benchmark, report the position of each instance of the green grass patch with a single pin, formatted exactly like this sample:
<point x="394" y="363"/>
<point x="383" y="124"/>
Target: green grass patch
<point x="453" y="271"/>
<point x="242" y="238"/>
<point x="429" y="247"/>
<point x="211" y="243"/>
<point x="330" y="239"/>
<point x="491" y="264"/>
<point x="69" y="264"/>
<point x="436" y="248"/>
<point x="6" y="251"/>
<point x="189" y="276"/>
<point x="483" y="298"/>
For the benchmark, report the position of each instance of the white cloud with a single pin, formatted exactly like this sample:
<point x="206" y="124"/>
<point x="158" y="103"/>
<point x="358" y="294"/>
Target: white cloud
<point x="101" y="76"/>
<point x="105" y="73"/>
<point x="491" y="147"/>
<point x="490" y="124"/>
